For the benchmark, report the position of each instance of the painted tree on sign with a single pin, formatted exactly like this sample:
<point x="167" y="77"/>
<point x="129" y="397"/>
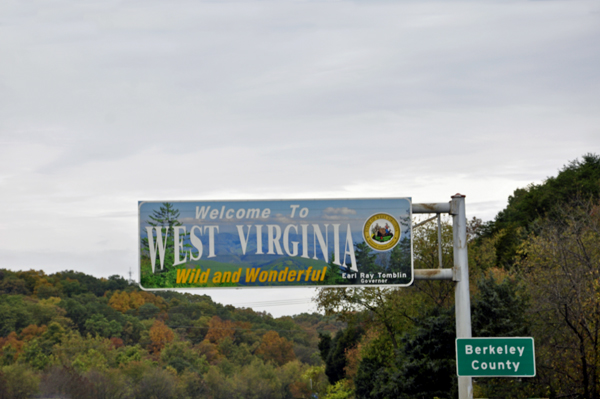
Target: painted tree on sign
<point x="165" y="218"/>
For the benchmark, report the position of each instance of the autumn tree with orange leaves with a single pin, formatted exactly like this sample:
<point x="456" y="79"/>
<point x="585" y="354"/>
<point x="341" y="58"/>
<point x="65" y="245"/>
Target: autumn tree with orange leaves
<point x="219" y="329"/>
<point x="160" y="335"/>
<point x="276" y="349"/>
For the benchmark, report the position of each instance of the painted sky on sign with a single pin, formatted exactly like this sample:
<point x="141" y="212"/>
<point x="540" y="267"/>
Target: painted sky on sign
<point x="103" y="104"/>
<point x="355" y="212"/>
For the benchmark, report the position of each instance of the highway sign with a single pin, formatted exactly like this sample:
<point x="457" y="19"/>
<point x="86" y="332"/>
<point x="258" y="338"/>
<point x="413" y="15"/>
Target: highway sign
<point x="275" y="243"/>
<point x="495" y="357"/>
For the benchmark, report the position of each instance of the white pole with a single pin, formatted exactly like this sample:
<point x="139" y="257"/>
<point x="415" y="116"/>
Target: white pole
<point x="461" y="276"/>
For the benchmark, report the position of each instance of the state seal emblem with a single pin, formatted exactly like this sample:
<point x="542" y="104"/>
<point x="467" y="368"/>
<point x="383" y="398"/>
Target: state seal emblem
<point x="381" y="232"/>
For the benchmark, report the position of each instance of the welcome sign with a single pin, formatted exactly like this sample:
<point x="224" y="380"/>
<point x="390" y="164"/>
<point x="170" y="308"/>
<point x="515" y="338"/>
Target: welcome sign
<point x="274" y="243"/>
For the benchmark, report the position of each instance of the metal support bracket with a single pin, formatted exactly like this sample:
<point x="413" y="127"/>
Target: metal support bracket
<point x="438" y="209"/>
<point x="434" y="274"/>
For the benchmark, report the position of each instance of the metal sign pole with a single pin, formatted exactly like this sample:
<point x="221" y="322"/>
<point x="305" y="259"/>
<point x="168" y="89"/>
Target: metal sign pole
<point x="461" y="276"/>
<point x="459" y="273"/>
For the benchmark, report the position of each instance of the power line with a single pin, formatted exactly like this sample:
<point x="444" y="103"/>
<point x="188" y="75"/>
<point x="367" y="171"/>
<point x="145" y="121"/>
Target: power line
<point x="276" y="302"/>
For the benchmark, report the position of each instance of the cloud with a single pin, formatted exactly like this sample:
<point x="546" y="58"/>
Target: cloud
<point x="331" y="213"/>
<point x="282" y="219"/>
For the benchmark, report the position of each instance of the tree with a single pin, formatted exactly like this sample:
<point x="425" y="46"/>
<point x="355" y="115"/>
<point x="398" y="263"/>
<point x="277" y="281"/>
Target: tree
<point x="339" y="390"/>
<point x="424" y="366"/>
<point x="219" y="329"/>
<point x="124" y="301"/>
<point x="160" y="335"/>
<point x="10" y="348"/>
<point x="335" y="357"/>
<point x="91" y="360"/>
<point x="181" y="356"/>
<point x="44" y="289"/>
<point x="10" y="284"/>
<point x="499" y="307"/>
<point x="165" y="216"/>
<point x="276" y="349"/>
<point x="99" y="325"/>
<point x="560" y="265"/>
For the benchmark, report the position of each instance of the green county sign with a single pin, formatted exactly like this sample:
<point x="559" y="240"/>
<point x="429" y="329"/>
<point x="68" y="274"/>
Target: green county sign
<point x="495" y="357"/>
<point x="275" y="243"/>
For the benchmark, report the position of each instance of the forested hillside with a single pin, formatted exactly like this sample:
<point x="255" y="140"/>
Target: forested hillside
<point x="576" y="182"/>
<point x="71" y="335"/>
<point x="534" y="271"/>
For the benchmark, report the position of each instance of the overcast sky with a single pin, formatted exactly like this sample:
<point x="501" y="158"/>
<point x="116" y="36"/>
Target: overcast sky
<point x="106" y="103"/>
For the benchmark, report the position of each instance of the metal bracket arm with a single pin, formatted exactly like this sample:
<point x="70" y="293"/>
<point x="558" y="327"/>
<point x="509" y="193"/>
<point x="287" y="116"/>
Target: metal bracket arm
<point x="434" y="274"/>
<point x="443" y="207"/>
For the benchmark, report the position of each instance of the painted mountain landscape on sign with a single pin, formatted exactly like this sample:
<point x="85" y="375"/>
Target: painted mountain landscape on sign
<point x="275" y="243"/>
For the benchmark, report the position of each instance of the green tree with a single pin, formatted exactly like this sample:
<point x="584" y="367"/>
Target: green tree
<point x="339" y="390"/>
<point x="424" y="366"/>
<point x="99" y="325"/>
<point x="92" y="359"/>
<point x="181" y="356"/>
<point x="34" y="354"/>
<point x="335" y="357"/>
<point x="499" y="308"/>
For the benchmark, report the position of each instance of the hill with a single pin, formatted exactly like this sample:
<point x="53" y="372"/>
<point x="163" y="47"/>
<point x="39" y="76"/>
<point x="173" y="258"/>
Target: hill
<point x="577" y="181"/>
<point x="77" y="336"/>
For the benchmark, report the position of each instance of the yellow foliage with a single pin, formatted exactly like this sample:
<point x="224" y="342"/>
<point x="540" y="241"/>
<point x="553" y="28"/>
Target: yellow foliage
<point x="53" y="301"/>
<point x="160" y="335"/>
<point x="153" y="299"/>
<point x="124" y="301"/>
